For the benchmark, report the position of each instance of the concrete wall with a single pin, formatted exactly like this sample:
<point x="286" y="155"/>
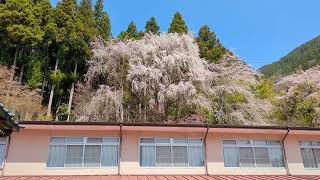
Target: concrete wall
<point x="28" y="151"/>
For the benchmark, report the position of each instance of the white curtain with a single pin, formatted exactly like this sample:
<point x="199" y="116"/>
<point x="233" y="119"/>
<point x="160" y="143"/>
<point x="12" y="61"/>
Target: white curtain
<point x="92" y="155"/>
<point x="2" y="153"/>
<point x="246" y="157"/>
<point x="56" y="156"/>
<point x="147" y="156"/>
<point x="231" y="157"/>
<point x="74" y="156"/>
<point x="110" y="155"/>
<point x="180" y="156"/>
<point x="163" y="156"/>
<point x="261" y="157"/>
<point x="195" y="156"/>
<point x="308" y="157"/>
<point x="276" y="158"/>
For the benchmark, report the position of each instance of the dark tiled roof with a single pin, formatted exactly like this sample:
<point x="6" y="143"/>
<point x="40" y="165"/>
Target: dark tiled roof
<point x="161" y="177"/>
<point x="7" y="123"/>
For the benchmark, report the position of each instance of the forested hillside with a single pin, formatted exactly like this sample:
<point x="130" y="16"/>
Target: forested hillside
<point x="48" y="49"/>
<point x="302" y="58"/>
<point x="62" y="63"/>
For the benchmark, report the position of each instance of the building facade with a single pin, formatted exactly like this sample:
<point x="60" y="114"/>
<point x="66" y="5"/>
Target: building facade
<point x="82" y="148"/>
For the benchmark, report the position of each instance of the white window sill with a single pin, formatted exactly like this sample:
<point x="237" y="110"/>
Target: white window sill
<point x="68" y="168"/>
<point x="169" y="167"/>
<point x="255" y="168"/>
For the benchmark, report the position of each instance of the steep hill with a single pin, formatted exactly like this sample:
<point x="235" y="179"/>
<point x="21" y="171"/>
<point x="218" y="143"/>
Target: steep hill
<point x="303" y="57"/>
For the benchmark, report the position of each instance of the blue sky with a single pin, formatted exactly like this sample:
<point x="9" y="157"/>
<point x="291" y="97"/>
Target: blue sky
<point x="258" y="31"/>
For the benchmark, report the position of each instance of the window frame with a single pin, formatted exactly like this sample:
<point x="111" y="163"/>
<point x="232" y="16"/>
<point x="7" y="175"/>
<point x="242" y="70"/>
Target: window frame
<point x="252" y="145"/>
<point x="5" y="143"/>
<point x="84" y="143"/>
<point x="171" y="144"/>
<point x="314" y="145"/>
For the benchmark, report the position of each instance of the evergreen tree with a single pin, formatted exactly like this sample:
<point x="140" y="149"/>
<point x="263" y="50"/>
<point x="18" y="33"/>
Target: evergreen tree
<point x="87" y="17"/>
<point x="210" y="47"/>
<point x="178" y="25"/>
<point x="152" y="26"/>
<point x="102" y="20"/>
<point x="131" y="32"/>
<point x="20" y="26"/>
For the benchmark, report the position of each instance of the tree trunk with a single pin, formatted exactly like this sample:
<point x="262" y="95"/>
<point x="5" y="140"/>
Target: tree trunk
<point x="44" y="78"/>
<point x="52" y="90"/>
<point x="57" y="118"/>
<point x="21" y="74"/>
<point x="13" y="67"/>
<point x="71" y="92"/>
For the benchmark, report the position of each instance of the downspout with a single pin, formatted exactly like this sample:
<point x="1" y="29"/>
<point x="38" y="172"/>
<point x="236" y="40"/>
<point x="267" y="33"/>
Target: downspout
<point x="6" y="155"/>
<point x="120" y="148"/>
<point x="284" y="153"/>
<point x="205" y="151"/>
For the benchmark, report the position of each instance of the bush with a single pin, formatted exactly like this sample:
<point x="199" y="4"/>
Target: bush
<point x="264" y="90"/>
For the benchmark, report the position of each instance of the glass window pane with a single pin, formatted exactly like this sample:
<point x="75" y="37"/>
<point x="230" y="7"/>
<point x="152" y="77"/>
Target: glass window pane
<point x="309" y="160"/>
<point x="276" y="158"/>
<point x="243" y="142"/>
<point x="231" y="142"/>
<point x="231" y="157"/>
<point x="3" y="140"/>
<point x="74" y="156"/>
<point x="94" y="140"/>
<point x="259" y="142"/>
<point x="195" y="156"/>
<point x="165" y="141"/>
<point x="147" y="140"/>
<point x="180" y="156"/>
<point x="110" y="155"/>
<point x="92" y="155"/>
<point x="2" y="153"/>
<point x="195" y="141"/>
<point x="110" y="140"/>
<point x="261" y="157"/>
<point x="163" y="156"/>
<point x="180" y="141"/>
<point x="56" y="156"/>
<point x="246" y="157"/>
<point x="305" y="143"/>
<point x="274" y="143"/>
<point x="75" y="140"/>
<point x="57" y="140"/>
<point x="317" y="156"/>
<point x="147" y="156"/>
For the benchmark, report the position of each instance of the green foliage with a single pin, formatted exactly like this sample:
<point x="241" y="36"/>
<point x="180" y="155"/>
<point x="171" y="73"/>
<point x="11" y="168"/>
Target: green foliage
<point x="18" y="21"/>
<point x="264" y="90"/>
<point x="57" y="77"/>
<point x="298" y="107"/>
<point x="210" y="47"/>
<point x="225" y="104"/>
<point x="131" y="32"/>
<point x="62" y="112"/>
<point x="152" y="26"/>
<point x="178" y="25"/>
<point x="303" y="57"/>
<point x="88" y="20"/>
<point x="34" y="75"/>
<point x="102" y="19"/>
<point x="235" y="97"/>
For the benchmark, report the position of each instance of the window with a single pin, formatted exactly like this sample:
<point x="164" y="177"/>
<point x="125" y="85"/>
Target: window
<point x="83" y="152"/>
<point x="3" y="148"/>
<point x="251" y="153"/>
<point x="169" y="152"/>
<point x="310" y="151"/>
